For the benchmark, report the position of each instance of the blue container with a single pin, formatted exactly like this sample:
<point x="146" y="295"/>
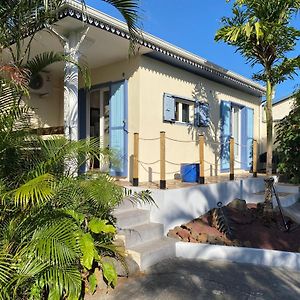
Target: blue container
<point x="189" y="172"/>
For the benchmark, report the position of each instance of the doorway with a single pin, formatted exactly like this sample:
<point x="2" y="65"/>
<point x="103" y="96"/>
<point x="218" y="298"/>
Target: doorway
<point x="98" y="124"/>
<point x="236" y="133"/>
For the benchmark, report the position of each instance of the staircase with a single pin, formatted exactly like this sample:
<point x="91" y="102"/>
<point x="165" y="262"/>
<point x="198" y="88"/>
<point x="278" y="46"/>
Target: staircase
<point x="144" y="241"/>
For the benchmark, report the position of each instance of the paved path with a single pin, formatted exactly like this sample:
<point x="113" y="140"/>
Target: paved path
<point x="177" y="279"/>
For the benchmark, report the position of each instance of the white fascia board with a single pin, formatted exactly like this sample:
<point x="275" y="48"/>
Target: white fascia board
<point x="159" y="43"/>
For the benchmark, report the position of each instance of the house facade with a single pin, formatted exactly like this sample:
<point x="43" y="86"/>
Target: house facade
<point x="161" y="88"/>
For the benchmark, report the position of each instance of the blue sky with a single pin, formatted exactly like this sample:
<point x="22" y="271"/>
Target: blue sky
<point x="192" y="24"/>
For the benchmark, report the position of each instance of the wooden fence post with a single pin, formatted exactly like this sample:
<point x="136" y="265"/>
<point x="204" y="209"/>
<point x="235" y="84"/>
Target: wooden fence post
<point x="162" y="160"/>
<point x="135" y="179"/>
<point x="201" y="159"/>
<point x="254" y="158"/>
<point x="231" y="149"/>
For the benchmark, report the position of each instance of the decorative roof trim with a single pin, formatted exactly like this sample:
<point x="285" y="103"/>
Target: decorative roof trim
<point x="70" y="11"/>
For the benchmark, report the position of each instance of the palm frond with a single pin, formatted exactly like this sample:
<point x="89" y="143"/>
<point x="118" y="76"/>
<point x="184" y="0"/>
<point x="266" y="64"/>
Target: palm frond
<point x="129" y="9"/>
<point x="141" y="197"/>
<point x="34" y="192"/>
<point x="56" y="242"/>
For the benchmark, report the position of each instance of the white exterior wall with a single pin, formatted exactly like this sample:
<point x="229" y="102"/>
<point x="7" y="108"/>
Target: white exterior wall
<point x="148" y="80"/>
<point x="48" y="110"/>
<point x="157" y="78"/>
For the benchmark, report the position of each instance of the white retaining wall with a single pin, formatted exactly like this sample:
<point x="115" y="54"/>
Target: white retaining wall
<point x="271" y="258"/>
<point x="179" y="206"/>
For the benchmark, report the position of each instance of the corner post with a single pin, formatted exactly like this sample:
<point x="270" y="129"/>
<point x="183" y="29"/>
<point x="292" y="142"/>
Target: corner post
<point x="135" y="179"/>
<point x="231" y="147"/>
<point x="254" y="163"/>
<point x="201" y="157"/>
<point x="162" y="160"/>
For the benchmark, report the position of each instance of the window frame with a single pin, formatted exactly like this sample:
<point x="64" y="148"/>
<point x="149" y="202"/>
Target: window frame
<point x="180" y="101"/>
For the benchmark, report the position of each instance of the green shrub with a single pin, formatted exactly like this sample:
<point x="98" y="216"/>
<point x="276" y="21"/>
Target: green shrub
<point x="55" y="227"/>
<point x="288" y="140"/>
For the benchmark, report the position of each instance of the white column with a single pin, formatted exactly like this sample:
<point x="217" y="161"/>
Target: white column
<point x="71" y="49"/>
<point x="71" y="121"/>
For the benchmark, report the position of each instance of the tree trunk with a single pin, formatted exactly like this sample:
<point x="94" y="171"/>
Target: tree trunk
<point x="269" y="118"/>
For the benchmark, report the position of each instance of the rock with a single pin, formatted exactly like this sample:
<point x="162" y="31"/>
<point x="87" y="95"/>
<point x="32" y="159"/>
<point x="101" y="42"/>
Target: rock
<point x="184" y="234"/>
<point x="124" y="269"/>
<point x="202" y="238"/>
<point x="173" y="234"/>
<point x="228" y="242"/>
<point x="120" y="243"/>
<point x="237" y="243"/>
<point x="242" y="217"/>
<point x="194" y="226"/>
<point x="101" y="285"/>
<point x="192" y="240"/>
<point x="260" y="207"/>
<point x="215" y="240"/>
<point x="194" y="235"/>
<point x="238" y="204"/>
<point x="247" y="244"/>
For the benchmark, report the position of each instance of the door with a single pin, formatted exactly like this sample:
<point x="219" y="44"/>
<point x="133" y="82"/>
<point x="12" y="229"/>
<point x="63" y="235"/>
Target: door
<point x="118" y="128"/>
<point x="225" y="128"/>
<point x="106" y="119"/>
<point x="98" y="124"/>
<point x="236" y="134"/>
<point x="247" y="137"/>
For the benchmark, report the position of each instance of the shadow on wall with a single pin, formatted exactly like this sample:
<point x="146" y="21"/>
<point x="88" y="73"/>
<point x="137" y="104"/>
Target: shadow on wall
<point x="212" y="132"/>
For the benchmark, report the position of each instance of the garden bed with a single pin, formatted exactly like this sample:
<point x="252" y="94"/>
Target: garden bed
<point x="242" y="225"/>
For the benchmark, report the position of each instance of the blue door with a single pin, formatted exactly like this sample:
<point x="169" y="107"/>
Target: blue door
<point x="225" y="119"/>
<point x="247" y="137"/>
<point x="118" y="129"/>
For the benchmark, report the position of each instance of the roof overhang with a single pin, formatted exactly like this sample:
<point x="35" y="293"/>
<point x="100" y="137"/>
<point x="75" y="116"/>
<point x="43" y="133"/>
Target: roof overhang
<point x="161" y="50"/>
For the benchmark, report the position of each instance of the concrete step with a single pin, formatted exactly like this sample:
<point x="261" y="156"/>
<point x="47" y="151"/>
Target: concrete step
<point x="132" y="218"/>
<point x="125" y="205"/>
<point x="287" y="188"/>
<point x="150" y="253"/>
<point x="141" y="234"/>
<point x="286" y="198"/>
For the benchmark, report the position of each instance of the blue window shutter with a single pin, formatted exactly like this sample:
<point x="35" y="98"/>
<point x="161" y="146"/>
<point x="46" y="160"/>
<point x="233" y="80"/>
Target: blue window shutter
<point x="225" y="119"/>
<point x="82" y="113"/>
<point x="118" y="128"/>
<point x="201" y="114"/>
<point x="169" y="108"/>
<point x="247" y="137"/>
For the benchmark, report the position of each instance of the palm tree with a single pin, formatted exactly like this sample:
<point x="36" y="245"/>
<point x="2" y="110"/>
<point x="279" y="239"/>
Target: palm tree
<point x="261" y="32"/>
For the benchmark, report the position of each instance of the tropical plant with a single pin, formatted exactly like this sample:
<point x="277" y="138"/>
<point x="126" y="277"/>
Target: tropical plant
<point x="288" y="143"/>
<point x="262" y="32"/>
<point x="55" y="228"/>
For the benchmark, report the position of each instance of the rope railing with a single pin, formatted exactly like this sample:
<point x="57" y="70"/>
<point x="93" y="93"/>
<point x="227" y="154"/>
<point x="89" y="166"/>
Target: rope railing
<point x="200" y="142"/>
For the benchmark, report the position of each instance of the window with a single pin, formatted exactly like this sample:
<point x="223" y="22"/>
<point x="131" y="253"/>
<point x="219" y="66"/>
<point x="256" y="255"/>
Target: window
<point x="180" y="110"/>
<point x="185" y="113"/>
<point x="183" y="110"/>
